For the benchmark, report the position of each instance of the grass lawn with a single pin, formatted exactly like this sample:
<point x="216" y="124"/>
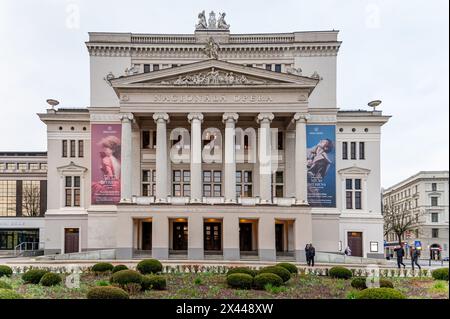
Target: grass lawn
<point x="205" y="285"/>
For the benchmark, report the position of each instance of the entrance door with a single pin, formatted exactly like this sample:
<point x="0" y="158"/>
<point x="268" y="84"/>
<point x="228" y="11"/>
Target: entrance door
<point x="71" y="240"/>
<point x="212" y="236"/>
<point x="279" y="237"/>
<point x="245" y="236"/>
<point x="180" y="236"/>
<point x="146" y="236"/>
<point x="354" y="240"/>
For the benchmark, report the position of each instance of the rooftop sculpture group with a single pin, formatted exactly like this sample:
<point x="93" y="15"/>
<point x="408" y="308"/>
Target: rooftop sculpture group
<point x="213" y="23"/>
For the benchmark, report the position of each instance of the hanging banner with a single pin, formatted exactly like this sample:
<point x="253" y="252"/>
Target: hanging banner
<point x="105" y="163"/>
<point x="321" y="165"/>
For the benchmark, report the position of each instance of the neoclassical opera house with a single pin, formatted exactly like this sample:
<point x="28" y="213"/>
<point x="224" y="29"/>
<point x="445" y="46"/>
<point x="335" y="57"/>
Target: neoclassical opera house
<point x="213" y="145"/>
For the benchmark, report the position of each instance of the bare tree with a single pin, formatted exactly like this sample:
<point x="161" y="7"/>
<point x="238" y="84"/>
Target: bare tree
<point x="400" y="218"/>
<point x="31" y="200"/>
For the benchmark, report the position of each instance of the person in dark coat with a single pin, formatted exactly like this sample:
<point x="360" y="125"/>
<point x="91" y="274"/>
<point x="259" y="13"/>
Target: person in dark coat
<point x="308" y="260"/>
<point x="400" y="254"/>
<point x="415" y="254"/>
<point x="312" y="254"/>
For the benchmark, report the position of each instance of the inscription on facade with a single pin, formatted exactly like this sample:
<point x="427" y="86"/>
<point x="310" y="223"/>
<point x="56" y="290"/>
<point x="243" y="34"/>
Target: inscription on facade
<point x="212" y="98"/>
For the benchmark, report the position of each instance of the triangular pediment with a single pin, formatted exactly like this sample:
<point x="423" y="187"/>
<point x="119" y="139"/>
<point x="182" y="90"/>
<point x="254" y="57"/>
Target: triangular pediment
<point x="71" y="167"/>
<point x="354" y="170"/>
<point x="213" y="73"/>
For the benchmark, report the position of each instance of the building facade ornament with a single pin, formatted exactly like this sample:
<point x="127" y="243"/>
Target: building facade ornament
<point x="211" y="49"/>
<point x="109" y="77"/>
<point x="221" y="23"/>
<point x="213" y="77"/>
<point x="212" y="23"/>
<point x="265" y="117"/>
<point x="303" y="117"/>
<point x="316" y="76"/>
<point x="230" y="117"/>
<point x="126" y="117"/>
<point x="161" y="117"/>
<point x="201" y="24"/>
<point x="294" y="71"/>
<point x="195" y="116"/>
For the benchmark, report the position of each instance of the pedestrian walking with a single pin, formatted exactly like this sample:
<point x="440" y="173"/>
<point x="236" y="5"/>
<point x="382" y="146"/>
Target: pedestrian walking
<point x="312" y="254"/>
<point x="415" y="254"/>
<point x="400" y="254"/>
<point x="308" y="260"/>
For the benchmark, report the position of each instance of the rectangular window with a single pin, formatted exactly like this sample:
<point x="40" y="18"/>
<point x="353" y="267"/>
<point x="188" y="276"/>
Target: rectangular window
<point x="269" y="67"/>
<point x="64" y="148"/>
<point x="187" y="190"/>
<point x="435" y="233"/>
<point x="278" y="68"/>
<point x="181" y="183"/>
<point x="80" y="148"/>
<point x="353" y="150"/>
<point x="155" y="67"/>
<point x="362" y="154"/>
<point x="72" y="191"/>
<point x="434" y="217"/>
<point x="348" y="184"/>
<point x="433" y="187"/>
<point x="344" y="150"/>
<point x="72" y="148"/>
<point x="207" y="190"/>
<point x="8" y="197"/>
<point x="244" y="184"/>
<point x="145" y="139"/>
<point x="146" y="68"/>
<point x="357" y="183"/>
<point x="348" y="200"/>
<point x="148" y="182"/>
<point x="434" y="201"/>
<point x="358" y="200"/>
<point x="280" y="141"/>
<point x="23" y="166"/>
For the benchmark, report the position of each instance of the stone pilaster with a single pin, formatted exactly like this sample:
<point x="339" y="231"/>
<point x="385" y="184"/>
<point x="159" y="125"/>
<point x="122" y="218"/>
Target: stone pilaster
<point x="230" y="120"/>
<point x="196" y="120"/>
<point x="265" y="157"/>
<point x="301" y="189"/>
<point x="126" y="159"/>
<point x="161" y="120"/>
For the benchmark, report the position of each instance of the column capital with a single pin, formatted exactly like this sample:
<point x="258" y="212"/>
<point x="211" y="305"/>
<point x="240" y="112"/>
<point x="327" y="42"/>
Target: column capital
<point x="161" y="116"/>
<point x="126" y="117"/>
<point x="265" y="117"/>
<point x="230" y="117"/>
<point x="195" y="116"/>
<point x="302" y="117"/>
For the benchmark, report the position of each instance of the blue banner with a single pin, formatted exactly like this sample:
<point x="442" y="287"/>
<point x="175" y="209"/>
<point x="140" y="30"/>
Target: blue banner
<point x="321" y="165"/>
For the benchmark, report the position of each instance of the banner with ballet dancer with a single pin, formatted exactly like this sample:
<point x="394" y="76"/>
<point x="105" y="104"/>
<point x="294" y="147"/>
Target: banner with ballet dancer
<point x="105" y="163"/>
<point x="321" y="165"/>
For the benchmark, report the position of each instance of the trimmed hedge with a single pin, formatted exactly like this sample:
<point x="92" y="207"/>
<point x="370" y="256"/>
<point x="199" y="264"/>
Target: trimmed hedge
<point x="360" y="283"/>
<point x="340" y="272"/>
<point x="34" y="276"/>
<point x="386" y="283"/>
<point x="261" y="280"/>
<point x="288" y="266"/>
<point x="242" y="270"/>
<point x="241" y="281"/>
<point x="5" y="285"/>
<point x="107" y="292"/>
<point x="9" y="294"/>
<point x="5" y="271"/>
<point x="126" y="277"/>
<point x="156" y="282"/>
<point x="149" y="266"/>
<point x="282" y="272"/>
<point x="50" y="279"/>
<point x="119" y="268"/>
<point x="440" y="274"/>
<point x="380" y="293"/>
<point x="102" y="267"/>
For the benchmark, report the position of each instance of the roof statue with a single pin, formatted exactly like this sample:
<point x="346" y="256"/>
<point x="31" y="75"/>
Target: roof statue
<point x="213" y="23"/>
<point x="211" y="49"/>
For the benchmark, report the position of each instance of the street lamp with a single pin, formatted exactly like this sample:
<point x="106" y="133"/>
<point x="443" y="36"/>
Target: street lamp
<point x="52" y="103"/>
<point x="374" y="104"/>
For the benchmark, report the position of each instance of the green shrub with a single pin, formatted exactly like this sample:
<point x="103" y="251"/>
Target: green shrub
<point x="126" y="277"/>
<point x="5" y="285"/>
<point x="359" y="283"/>
<point x="386" y="283"/>
<point x="440" y="274"/>
<point x="340" y="272"/>
<point x="50" y="279"/>
<point x="241" y="281"/>
<point x="262" y="280"/>
<point x="5" y="271"/>
<point x="149" y="266"/>
<point x="9" y="294"/>
<point x="102" y="283"/>
<point x="107" y="292"/>
<point x="102" y="267"/>
<point x="282" y="272"/>
<point x="34" y="276"/>
<point x="380" y="293"/>
<point x="290" y="267"/>
<point x="242" y="270"/>
<point x="119" y="268"/>
<point x="156" y="282"/>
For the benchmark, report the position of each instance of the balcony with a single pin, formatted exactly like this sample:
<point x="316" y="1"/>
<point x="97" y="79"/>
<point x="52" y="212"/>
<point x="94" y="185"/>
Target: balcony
<point x="244" y="201"/>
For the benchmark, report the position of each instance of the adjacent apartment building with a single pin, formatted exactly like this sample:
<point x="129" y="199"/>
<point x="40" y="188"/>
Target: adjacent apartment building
<point x="23" y="200"/>
<point x="425" y="196"/>
<point x="213" y="145"/>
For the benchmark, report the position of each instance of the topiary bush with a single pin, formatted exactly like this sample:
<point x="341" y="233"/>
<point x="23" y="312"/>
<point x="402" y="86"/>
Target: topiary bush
<point x="156" y="282"/>
<point x="440" y="274"/>
<point x="263" y="279"/>
<point x="50" y="279"/>
<point x="5" y="285"/>
<point x="5" y="271"/>
<point x="242" y="270"/>
<point x="340" y="272"/>
<point x="282" y="272"/>
<point x="34" y="276"/>
<point x="107" y="292"/>
<point x="386" y="283"/>
<point x="359" y="283"/>
<point x="149" y="266"/>
<point x="119" y="268"/>
<point x="288" y="266"/>
<point x="240" y="280"/>
<point x="380" y="293"/>
<point x="102" y="267"/>
<point x="126" y="277"/>
<point x="9" y="294"/>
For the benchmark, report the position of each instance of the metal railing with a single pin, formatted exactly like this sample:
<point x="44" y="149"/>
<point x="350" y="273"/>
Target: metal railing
<point x="27" y="246"/>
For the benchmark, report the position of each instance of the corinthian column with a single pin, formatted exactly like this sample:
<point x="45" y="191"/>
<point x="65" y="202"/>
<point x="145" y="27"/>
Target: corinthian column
<point x="125" y="155"/>
<point x="301" y="189"/>
<point x="161" y="120"/>
<point x="230" y="120"/>
<point x="196" y="120"/>
<point x="265" y="154"/>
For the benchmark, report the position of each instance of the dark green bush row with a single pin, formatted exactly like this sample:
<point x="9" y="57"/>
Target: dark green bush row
<point x="360" y="283"/>
<point x="246" y="281"/>
<point x="340" y="272"/>
<point x="242" y="270"/>
<point x="128" y="278"/>
<point x="34" y="276"/>
<point x="149" y="266"/>
<point x="5" y="271"/>
<point x="50" y="279"/>
<point x="119" y="268"/>
<point x="102" y="267"/>
<point x="290" y="267"/>
<point x="240" y="281"/>
<point x="282" y="272"/>
<point x="263" y="279"/>
<point x="156" y="282"/>
<point x="440" y="274"/>
<point x="380" y="293"/>
<point x="107" y="292"/>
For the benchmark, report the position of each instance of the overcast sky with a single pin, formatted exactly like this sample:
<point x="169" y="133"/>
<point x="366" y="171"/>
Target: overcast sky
<point x="396" y="51"/>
